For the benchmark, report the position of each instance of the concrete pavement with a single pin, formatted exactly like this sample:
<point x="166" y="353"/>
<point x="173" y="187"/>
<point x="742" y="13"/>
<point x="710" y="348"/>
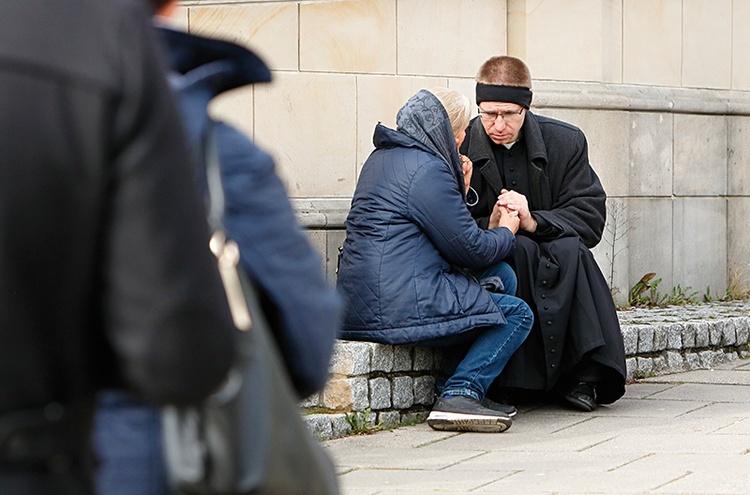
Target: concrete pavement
<point x="684" y="433"/>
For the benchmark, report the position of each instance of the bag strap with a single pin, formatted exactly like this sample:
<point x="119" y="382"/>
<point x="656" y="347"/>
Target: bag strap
<point x="226" y="250"/>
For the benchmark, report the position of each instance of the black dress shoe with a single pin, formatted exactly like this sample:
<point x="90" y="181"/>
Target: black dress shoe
<point x="582" y="397"/>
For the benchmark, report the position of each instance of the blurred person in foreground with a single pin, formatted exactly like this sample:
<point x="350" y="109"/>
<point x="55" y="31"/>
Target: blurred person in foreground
<point x="106" y="278"/>
<point x="416" y="269"/>
<point x="539" y="168"/>
<point x="302" y="308"/>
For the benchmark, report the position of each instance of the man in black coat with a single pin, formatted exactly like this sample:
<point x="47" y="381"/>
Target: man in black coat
<point x="539" y="167"/>
<point x="105" y="274"/>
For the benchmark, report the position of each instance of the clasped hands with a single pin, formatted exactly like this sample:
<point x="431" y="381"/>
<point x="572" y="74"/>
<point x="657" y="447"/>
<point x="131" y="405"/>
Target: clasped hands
<point x="511" y="210"/>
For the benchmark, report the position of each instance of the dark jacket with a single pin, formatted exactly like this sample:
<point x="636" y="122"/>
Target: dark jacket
<point x="407" y="234"/>
<point x="566" y="197"/>
<point x="105" y="273"/>
<point x="303" y="308"/>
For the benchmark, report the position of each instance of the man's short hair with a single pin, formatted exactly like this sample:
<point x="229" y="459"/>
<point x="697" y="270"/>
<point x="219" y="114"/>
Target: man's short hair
<point x="506" y="71"/>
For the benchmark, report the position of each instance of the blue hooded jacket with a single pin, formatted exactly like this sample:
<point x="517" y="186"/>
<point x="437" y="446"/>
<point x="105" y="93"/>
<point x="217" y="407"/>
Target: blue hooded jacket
<point x="302" y="307"/>
<point x="410" y="237"/>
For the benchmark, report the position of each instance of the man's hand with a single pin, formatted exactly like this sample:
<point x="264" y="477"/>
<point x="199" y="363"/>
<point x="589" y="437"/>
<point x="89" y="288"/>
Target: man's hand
<point x="503" y="217"/>
<point x="516" y="202"/>
<point x="468" y="169"/>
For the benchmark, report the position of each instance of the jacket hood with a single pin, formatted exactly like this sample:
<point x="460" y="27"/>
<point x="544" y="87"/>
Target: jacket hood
<point x="223" y="65"/>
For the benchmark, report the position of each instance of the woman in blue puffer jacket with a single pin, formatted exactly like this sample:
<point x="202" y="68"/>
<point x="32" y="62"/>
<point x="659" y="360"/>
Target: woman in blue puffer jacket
<point x="414" y="260"/>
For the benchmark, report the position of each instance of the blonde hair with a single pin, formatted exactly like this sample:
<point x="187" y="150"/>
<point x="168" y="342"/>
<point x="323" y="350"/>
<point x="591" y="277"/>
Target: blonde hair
<point x="457" y="106"/>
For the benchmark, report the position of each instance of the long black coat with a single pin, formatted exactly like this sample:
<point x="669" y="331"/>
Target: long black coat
<point x="557" y="274"/>
<point x="105" y="272"/>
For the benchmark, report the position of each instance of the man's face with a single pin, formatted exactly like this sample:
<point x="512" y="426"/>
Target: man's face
<point x="502" y="121"/>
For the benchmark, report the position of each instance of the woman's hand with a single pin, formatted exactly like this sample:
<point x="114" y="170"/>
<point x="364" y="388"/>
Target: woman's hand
<point x="468" y="169"/>
<point x="503" y="217"/>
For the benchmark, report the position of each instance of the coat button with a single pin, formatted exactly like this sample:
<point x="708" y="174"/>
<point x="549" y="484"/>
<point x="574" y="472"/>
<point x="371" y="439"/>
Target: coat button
<point x="552" y="351"/>
<point x="544" y="296"/>
<point x="546" y="308"/>
<point x="552" y="365"/>
<point x="547" y="265"/>
<point x="549" y="322"/>
<point x="544" y="282"/>
<point x="552" y="337"/>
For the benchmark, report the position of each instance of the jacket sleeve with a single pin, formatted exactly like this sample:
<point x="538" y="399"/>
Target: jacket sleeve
<point x="578" y="199"/>
<point x="164" y="305"/>
<point x="304" y="309"/>
<point x="435" y="203"/>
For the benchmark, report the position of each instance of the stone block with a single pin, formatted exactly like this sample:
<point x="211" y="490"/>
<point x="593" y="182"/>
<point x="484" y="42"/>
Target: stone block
<point x="339" y="425"/>
<point x="653" y="28"/>
<point x="346" y="394"/>
<point x="715" y="332"/>
<point x="738" y="236"/>
<point x="299" y="160"/>
<point x="692" y="361"/>
<point x="688" y="335"/>
<point x="660" y="365"/>
<point x="700" y="243"/>
<point x="424" y="390"/>
<point x="675" y="362"/>
<point x="674" y="336"/>
<point x="339" y="36"/>
<point x="645" y="366"/>
<point x="389" y="419"/>
<point x="631" y="365"/>
<point x="645" y="339"/>
<point x="729" y="333"/>
<point x="402" y="358"/>
<point x="315" y="400"/>
<point x="707" y="44"/>
<point x="256" y="26"/>
<point x="413" y="417"/>
<point x="380" y="393"/>
<point x="660" y="338"/>
<point x="742" y="326"/>
<point x="709" y="359"/>
<point x="470" y="39"/>
<point x="351" y="358"/>
<point x="382" y="357"/>
<point x="739" y="154"/>
<point x="423" y="359"/>
<point x="319" y="425"/>
<point x="630" y="339"/>
<point x="650" y="149"/>
<point x="403" y="392"/>
<point x="649" y="239"/>
<point x="700" y="140"/>
<point x="702" y="335"/>
<point x="598" y="52"/>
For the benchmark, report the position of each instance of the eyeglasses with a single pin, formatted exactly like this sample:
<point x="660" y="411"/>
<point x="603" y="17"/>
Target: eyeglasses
<point x="508" y="116"/>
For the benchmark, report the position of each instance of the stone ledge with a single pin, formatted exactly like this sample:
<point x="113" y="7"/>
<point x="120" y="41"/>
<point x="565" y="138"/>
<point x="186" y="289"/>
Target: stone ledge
<point x="395" y="384"/>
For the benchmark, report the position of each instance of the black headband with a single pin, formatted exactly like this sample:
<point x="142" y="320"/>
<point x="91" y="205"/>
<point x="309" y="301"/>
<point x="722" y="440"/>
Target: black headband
<point x="507" y="94"/>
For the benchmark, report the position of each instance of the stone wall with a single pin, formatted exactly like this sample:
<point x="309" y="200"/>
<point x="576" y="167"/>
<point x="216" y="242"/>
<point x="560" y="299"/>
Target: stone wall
<point x="390" y="385"/>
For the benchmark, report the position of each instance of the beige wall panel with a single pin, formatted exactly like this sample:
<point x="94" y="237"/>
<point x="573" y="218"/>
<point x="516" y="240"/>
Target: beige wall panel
<point x="236" y="108"/>
<point x="650" y="167"/>
<point x="740" y="44"/>
<point x="348" y="36"/>
<point x="738" y="249"/>
<point x="180" y="19"/>
<point x="738" y="174"/>
<point x="308" y="122"/>
<point x="611" y="253"/>
<point x="650" y="241"/>
<point x="652" y="37"/>
<point x="579" y="40"/>
<point x="700" y="244"/>
<point x="450" y="37"/>
<point x="707" y="43"/>
<point x="607" y="136"/>
<point x="379" y="98"/>
<point x="269" y="29"/>
<point x="700" y="155"/>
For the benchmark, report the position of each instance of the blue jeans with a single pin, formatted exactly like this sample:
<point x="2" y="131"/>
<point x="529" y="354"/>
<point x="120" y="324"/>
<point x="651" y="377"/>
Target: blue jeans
<point x="493" y="346"/>
<point x="127" y="440"/>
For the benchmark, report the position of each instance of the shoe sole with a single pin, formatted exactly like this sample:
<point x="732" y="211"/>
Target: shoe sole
<point x="579" y="404"/>
<point x="445" y="421"/>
